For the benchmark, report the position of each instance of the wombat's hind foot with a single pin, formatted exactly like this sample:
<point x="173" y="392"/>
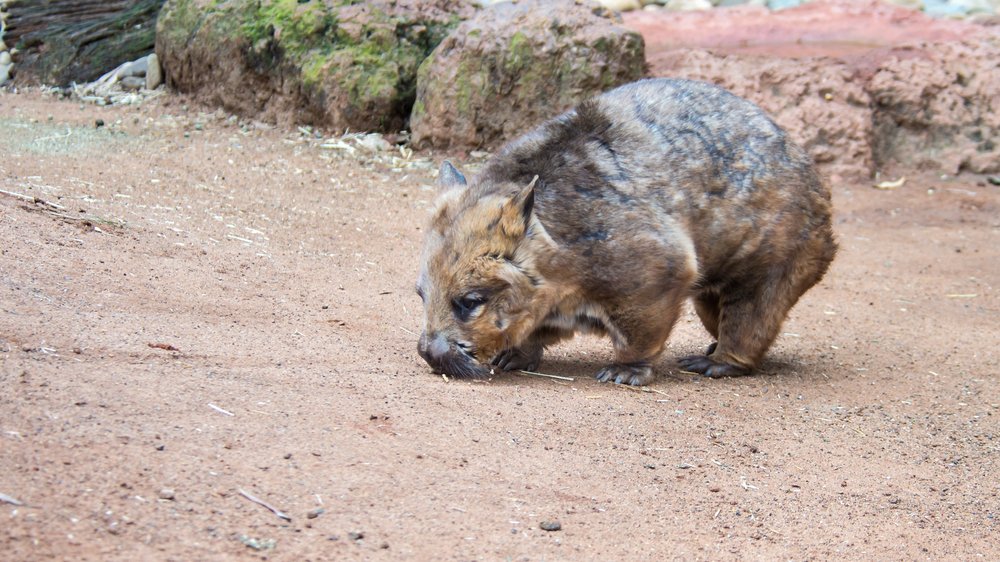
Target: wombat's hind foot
<point x="634" y="374"/>
<point x="519" y="359"/>
<point x="705" y="365"/>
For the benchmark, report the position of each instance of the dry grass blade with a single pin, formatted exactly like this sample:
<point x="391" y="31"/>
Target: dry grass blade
<point x="534" y="374"/>
<point x="11" y="500"/>
<point x="220" y="410"/>
<point x="30" y="199"/>
<point x="261" y="502"/>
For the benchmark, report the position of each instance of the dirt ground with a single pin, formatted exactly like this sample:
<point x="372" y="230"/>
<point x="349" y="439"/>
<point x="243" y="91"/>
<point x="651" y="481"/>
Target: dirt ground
<point x="192" y="309"/>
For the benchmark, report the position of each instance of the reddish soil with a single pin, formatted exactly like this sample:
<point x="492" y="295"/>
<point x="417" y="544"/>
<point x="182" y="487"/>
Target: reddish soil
<point x="209" y="310"/>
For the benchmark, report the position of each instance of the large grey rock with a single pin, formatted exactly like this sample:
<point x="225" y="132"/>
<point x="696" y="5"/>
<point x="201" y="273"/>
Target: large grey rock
<point x="323" y="62"/>
<point x="514" y="65"/>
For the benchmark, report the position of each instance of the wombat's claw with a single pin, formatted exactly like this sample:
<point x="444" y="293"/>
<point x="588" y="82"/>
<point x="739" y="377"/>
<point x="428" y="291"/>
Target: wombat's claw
<point x="636" y="374"/>
<point x="705" y="365"/>
<point x="517" y="360"/>
<point x="711" y="348"/>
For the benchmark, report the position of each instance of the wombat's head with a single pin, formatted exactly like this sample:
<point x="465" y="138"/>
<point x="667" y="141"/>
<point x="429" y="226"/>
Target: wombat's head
<point x="477" y="279"/>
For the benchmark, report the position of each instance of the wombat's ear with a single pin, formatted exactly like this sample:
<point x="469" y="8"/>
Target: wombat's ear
<point x="517" y="211"/>
<point x="450" y="178"/>
<point x="525" y="200"/>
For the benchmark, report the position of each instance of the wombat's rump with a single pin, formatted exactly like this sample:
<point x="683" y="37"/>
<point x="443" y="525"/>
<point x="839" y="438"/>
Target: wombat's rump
<point x="606" y="218"/>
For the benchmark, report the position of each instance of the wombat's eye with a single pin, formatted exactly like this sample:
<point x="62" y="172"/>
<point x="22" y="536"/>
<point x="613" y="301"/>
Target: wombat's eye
<point x="465" y="305"/>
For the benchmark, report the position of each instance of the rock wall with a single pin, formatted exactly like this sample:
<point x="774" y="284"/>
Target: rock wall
<point x="938" y="107"/>
<point x="864" y="86"/>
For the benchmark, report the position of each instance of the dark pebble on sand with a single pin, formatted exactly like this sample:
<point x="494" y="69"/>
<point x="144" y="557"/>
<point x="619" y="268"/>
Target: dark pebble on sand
<point x="550" y="526"/>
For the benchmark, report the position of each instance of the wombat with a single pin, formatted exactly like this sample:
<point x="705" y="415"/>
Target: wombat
<point x="606" y="218"/>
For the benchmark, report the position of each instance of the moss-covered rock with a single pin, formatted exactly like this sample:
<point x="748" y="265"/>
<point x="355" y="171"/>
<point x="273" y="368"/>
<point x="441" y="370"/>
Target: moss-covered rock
<point x="514" y="65"/>
<point x="338" y="63"/>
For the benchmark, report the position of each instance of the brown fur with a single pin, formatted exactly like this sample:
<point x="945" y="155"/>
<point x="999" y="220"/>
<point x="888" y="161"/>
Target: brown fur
<point x="605" y="219"/>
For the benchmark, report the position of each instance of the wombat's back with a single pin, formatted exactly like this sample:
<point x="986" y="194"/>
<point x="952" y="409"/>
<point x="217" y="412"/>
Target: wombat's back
<point x="669" y="151"/>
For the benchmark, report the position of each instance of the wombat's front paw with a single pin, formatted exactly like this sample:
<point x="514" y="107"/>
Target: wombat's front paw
<point x="707" y="366"/>
<point x="518" y="359"/>
<point x="635" y="374"/>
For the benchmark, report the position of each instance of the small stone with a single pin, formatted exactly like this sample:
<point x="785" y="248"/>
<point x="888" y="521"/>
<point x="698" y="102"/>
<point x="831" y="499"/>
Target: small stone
<point x="313" y="514"/>
<point x="132" y="83"/>
<point x="98" y="123"/>
<point x="167" y="494"/>
<point x="995" y="180"/>
<point x="688" y="5"/>
<point x="154" y="74"/>
<point x="550" y="526"/>
<point x="356" y="535"/>
<point x="5" y="58"/>
<point x="161" y="447"/>
<point x="620" y="5"/>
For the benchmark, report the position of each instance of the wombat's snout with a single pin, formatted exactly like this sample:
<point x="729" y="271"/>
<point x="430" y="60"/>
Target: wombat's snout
<point x="445" y="357"/>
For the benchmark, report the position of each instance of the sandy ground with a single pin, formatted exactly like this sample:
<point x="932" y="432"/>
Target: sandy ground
<point x="194" y="309"/>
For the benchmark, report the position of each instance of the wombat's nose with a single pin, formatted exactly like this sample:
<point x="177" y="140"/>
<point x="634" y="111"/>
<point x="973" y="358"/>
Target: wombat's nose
<point x="433" y="347"/>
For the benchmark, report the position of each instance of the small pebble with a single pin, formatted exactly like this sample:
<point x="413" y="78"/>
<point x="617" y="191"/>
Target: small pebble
<point x="550" y="526"/>
<point x="98" y="123"/>
<point x="355" y="535"/>
<point x="167" y="494"/>
<point x="995" y="180"/>
<point x="315" y="513"/>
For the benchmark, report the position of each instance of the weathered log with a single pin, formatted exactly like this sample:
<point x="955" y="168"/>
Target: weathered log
<point x="65" y="41"/>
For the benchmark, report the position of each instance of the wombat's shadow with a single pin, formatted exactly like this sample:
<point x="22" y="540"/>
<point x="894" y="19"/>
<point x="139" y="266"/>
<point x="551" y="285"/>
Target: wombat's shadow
<point x="780" y="365"/>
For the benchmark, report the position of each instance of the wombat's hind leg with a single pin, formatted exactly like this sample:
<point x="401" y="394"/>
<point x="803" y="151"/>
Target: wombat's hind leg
<point x="751" y="312"/>
<point x="706" y="304"/>
<point x="750" y="315"/>
<point x="634" y="374"/>
<point x="705" y="365"/>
